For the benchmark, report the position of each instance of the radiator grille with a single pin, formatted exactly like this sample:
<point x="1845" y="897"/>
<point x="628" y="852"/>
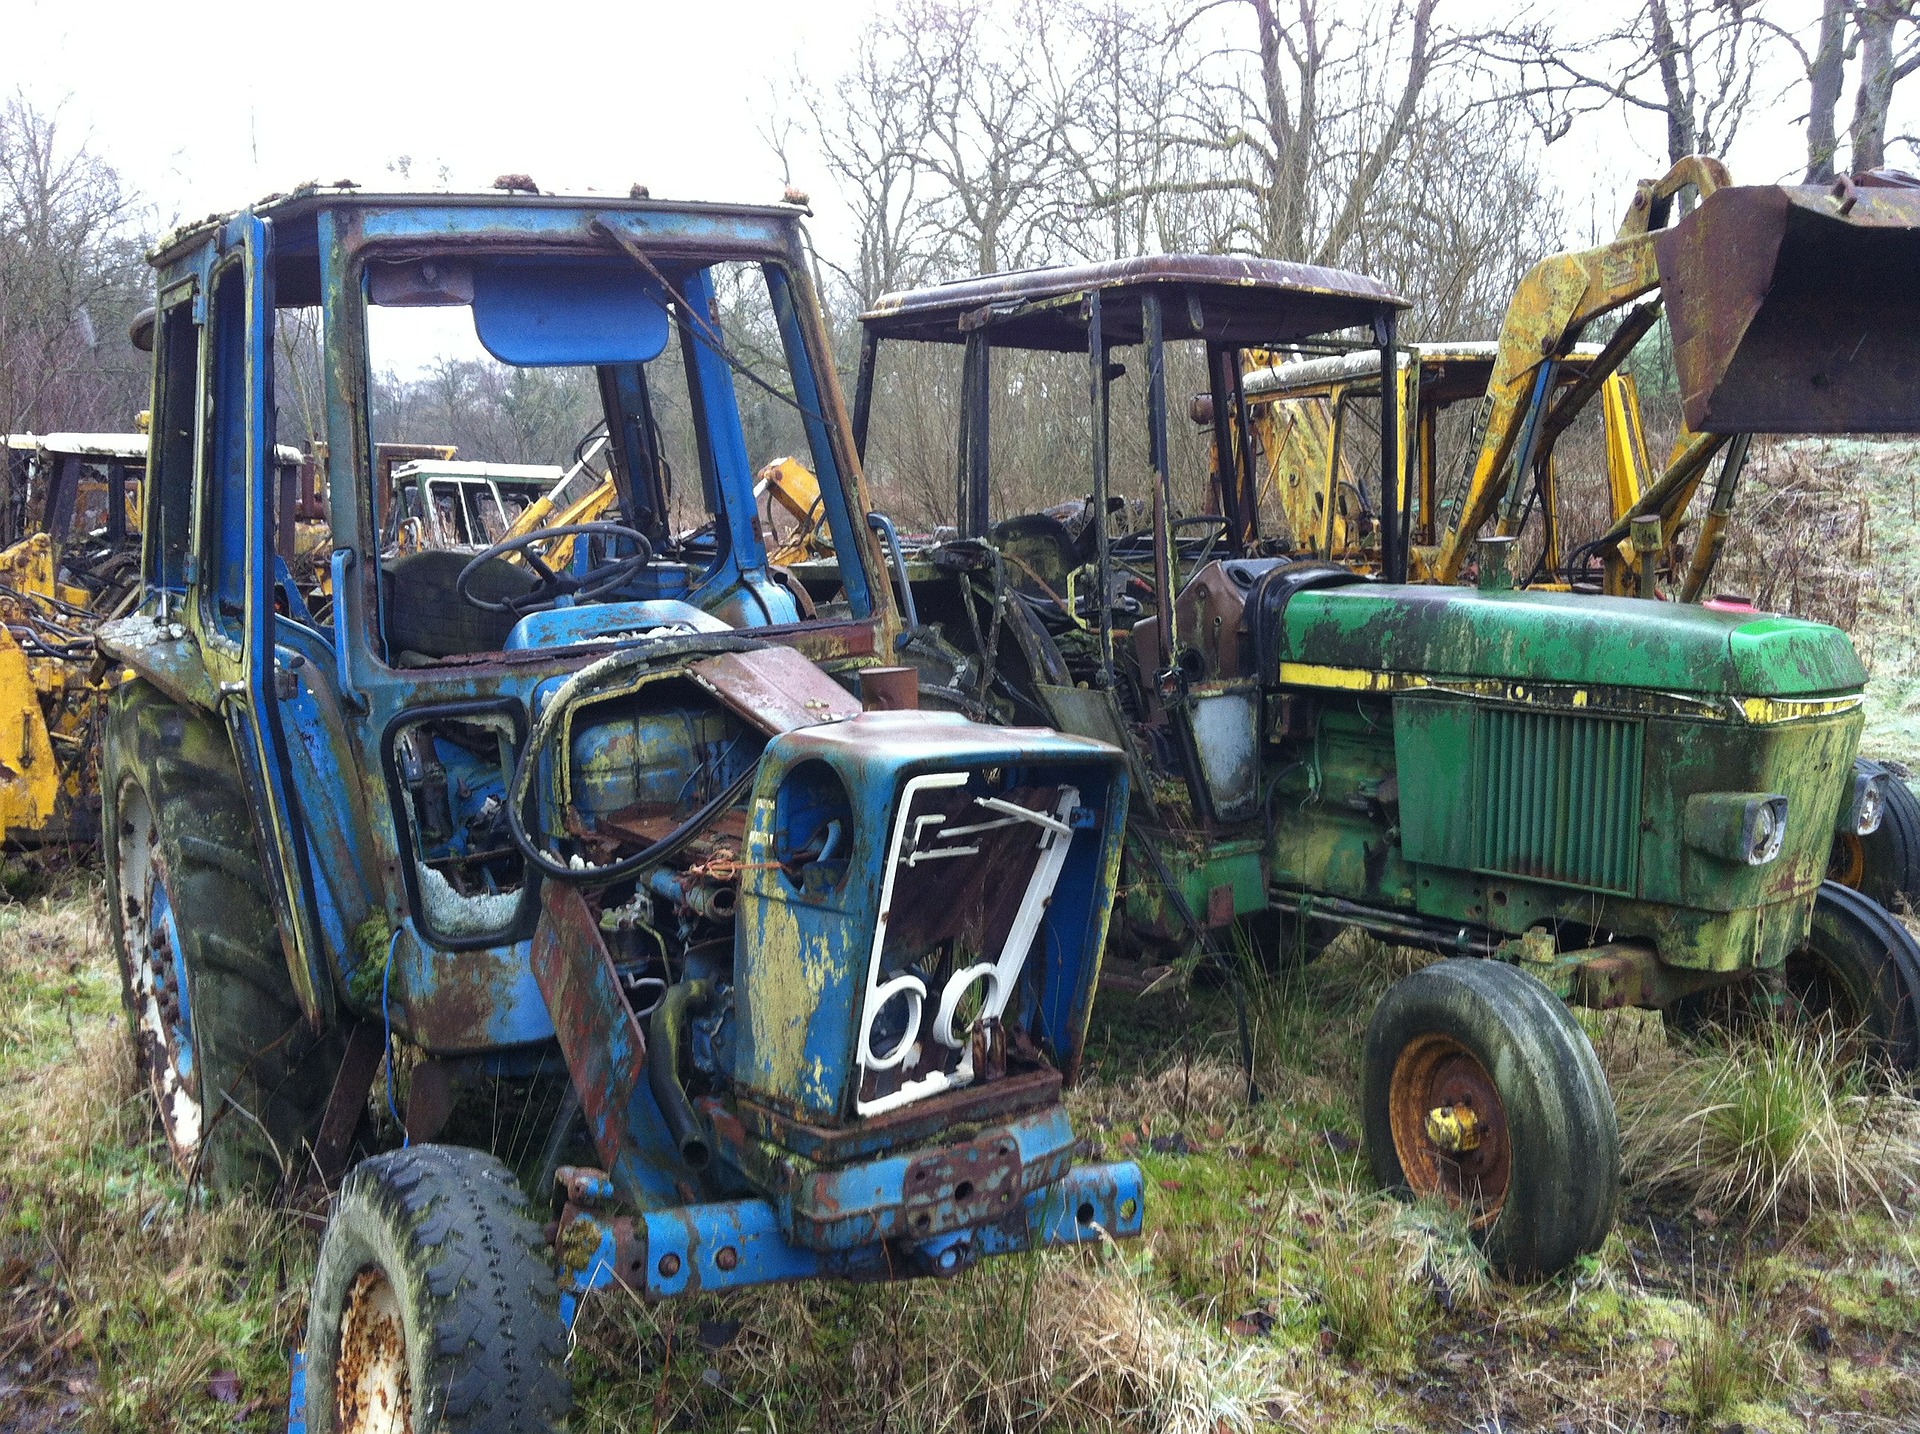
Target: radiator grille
<point x="1559" y="797"/>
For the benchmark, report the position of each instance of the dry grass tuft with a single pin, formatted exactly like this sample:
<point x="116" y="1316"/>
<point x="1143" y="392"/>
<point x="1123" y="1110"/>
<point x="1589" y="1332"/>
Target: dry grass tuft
<point x="1367" y="1296"/>
<point x="1192" y="1089"/>
<point x="1772" y="1127"/>
<point x="1065" y="1341"/>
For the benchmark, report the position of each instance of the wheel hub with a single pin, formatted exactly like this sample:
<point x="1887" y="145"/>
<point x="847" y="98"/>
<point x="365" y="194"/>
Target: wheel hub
<point x="372" y="1385"/>
<point x="1450" y="1127"/>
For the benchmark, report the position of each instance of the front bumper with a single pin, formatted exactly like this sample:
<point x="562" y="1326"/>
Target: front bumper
<point x="728" y="1245"/>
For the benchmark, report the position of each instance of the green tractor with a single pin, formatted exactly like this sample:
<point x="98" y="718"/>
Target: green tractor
<point x="1623" y="804"/>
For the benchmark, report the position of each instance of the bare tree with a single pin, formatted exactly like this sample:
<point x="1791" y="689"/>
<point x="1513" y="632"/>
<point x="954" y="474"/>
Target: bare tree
<point x="1826" y="73"/>
<point x="1883" y="38"/>
<point x="70" y="279"/>
<point x="865" y="129"/>
<point x="1690" y="64"/>
<point x="1292" y="118"/>
<point x="1877" y="23"/>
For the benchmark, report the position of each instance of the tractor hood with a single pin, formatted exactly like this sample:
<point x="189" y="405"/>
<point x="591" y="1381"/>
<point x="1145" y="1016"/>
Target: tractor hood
<point x="1562" y="638"/>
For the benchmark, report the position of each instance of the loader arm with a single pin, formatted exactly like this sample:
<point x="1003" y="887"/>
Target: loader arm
<point x="789" y="482"/>
<point x="560" y="508"/>
<point x="1558" y="298"/>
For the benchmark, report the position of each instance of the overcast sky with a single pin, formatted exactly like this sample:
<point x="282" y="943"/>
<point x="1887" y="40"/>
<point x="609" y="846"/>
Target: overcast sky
<point x="204" y="111"/>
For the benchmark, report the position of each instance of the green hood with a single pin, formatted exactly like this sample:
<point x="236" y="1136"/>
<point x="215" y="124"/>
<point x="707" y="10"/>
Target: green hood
<point x="1567" y="638"/>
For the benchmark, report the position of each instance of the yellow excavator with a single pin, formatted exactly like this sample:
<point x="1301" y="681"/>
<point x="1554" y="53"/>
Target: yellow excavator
<point x="71" y="524"/>
<point x="1315" y="424"/>
<point x="1801" y="293"/>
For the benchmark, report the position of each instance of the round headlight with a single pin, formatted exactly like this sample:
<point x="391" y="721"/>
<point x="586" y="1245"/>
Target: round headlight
<point x="1766" y="834"/>
<point x="1872" y="806"/>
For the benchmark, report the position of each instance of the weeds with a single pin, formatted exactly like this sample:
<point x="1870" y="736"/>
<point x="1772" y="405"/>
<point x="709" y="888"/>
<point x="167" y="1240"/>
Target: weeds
<point x="1367" y="1297"/>
<point x="1274" y="1288"/>
<point x="1774" y="1127"/>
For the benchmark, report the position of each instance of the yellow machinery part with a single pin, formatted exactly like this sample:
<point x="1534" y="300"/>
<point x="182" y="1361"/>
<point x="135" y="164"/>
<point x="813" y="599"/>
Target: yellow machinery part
<point x="27" y="567"/>
<point x="791" y="484"/>
<point x="29" y="778"/>
<point x="1558" y="297"/>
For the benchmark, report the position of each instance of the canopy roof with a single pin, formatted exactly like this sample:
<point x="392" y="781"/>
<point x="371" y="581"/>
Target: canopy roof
<point x="1228" y="299"/>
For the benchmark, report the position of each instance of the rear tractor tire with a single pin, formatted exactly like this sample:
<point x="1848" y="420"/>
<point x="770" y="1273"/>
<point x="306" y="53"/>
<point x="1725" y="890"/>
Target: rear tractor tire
<point x="1480" y="1089"/>
<point x="434" y="1306"/>
<point x="239" y="1077"/>
<point x="1855" y="979"/>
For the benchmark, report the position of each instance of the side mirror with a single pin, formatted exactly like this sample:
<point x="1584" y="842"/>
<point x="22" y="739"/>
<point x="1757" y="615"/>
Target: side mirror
<point x="140" y="331"/>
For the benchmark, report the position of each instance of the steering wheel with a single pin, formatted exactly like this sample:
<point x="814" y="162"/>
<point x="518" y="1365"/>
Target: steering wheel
<point x="553" y="585"/>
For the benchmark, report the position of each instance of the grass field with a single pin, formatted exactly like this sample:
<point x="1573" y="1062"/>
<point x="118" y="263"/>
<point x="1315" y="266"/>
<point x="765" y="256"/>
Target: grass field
<point x="1764" y="1275"/>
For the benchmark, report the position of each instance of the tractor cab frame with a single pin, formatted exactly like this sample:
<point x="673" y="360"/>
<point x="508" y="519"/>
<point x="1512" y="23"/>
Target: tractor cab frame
<point x="813" y="976"/>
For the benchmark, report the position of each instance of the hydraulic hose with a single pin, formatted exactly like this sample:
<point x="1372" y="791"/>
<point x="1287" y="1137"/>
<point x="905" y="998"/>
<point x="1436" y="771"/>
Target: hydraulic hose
<point x="571" y="694"/>
<point x="666" y="1038"/>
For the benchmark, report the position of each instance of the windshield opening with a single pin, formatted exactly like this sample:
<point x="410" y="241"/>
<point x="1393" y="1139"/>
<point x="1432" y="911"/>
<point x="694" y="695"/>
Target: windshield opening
<point x="674" y="408"/>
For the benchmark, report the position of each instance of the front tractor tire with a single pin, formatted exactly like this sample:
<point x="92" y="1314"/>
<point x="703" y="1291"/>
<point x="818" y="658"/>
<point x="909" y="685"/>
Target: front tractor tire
<point x="434" y="1306"/>
<point x="1480" y="1089"/>
<point x="239" y="1077"/>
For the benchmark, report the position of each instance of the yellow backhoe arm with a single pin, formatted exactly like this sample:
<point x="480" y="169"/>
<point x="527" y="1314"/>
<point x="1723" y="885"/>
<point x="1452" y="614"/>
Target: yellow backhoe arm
<point x="558" y="507"/>
<point x="791" y="484"/>
<point x="1559" y="297"/>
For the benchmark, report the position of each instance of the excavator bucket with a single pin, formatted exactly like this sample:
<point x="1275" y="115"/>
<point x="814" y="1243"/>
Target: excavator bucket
<point x="1797" y="309"/>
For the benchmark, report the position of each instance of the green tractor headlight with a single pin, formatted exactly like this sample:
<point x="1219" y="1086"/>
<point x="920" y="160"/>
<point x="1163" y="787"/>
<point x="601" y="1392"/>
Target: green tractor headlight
<point x="1748" y="827"/>
<point x="1860" y="814"/>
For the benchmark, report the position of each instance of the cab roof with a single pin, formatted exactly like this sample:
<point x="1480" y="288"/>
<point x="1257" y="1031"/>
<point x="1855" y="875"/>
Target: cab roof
<point x="308" y="199"/>
<point x="543" y="474"/>
<point x="1221" y="297"/>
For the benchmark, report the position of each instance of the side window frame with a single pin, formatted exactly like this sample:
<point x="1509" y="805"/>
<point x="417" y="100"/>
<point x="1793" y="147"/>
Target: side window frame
<point x="167" y="491"/>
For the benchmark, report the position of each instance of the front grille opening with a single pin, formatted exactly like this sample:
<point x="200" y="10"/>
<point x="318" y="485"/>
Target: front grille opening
<point x="1558" y="797"/>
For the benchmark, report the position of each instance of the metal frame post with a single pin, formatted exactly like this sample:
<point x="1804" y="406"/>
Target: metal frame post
<point x="1099" y="408"/>
<point x="1153" y="334"/>
<point x="1393" y="560"/>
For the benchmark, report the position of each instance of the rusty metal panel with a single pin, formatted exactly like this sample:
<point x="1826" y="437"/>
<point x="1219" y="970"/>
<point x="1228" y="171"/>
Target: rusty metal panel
<point x="605" y="1051"/>
<point x="960" y="1185"/>
<point x="835" y="1145"/>
<point x="1796" y="309"/>
<point x="775" y="689"/>
<point x="604" y="1048"/>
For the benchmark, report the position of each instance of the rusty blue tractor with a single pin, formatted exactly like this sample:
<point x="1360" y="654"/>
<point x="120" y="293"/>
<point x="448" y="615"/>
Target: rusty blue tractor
<point x="657" y="823"/>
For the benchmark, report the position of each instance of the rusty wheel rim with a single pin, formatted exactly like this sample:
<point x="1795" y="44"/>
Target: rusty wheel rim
<point x="156" y="971"/>
<point x="1437" y="1076"/>
<point x="372" y="1388"/>
<point x="1847" y="862"/>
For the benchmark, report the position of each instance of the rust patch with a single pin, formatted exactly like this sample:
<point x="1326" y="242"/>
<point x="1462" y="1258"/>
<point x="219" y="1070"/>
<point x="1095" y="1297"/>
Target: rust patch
<point x="597" y="1032"/>
<point x="372" y="1383"/>
<point x="1021" y="1091"/>
<point x="963" y="1185"/>
<point x="775" y="689"/>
